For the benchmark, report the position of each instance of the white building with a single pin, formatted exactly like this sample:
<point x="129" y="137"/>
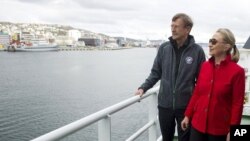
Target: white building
<point x="4" y="40"/>
<point x="74" y="34"/>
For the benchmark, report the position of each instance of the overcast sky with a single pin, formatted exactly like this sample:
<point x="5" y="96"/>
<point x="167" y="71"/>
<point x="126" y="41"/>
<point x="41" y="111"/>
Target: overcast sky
<point x="139" y="19"/>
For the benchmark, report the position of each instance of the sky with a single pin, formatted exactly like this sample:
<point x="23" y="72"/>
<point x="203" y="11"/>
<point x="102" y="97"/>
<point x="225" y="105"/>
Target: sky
<point x="138" y="19"/>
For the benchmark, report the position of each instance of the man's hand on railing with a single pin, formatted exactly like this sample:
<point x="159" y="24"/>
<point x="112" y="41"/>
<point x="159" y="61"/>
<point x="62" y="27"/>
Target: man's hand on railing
<point x="139" y="92"/>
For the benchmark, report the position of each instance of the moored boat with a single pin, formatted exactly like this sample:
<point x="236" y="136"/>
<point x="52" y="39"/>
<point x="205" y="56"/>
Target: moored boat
<point x="35" y="45"/>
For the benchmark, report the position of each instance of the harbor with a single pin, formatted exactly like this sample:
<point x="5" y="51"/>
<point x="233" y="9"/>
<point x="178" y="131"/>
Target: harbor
<point x="33" y="38"/>
<point x="42" y="92"/>
<point x="70" y="70"/>
<point x="70" y="83"/>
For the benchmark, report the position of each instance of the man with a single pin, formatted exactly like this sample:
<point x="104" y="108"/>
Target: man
<point x="177" y="65"/>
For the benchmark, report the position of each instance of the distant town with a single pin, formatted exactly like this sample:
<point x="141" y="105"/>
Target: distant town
<point x="64" y="36"/>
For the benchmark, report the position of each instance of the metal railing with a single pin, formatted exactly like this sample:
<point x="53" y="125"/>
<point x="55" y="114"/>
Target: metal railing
<point x="246" y="110"/>
<point x="103" y="117"/>
<point x="247" y="88"/>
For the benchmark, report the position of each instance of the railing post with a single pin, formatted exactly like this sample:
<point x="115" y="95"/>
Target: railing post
<point x="247" y="89"/>
<point x="152" y="115"/>
<point x="104" y="129"/>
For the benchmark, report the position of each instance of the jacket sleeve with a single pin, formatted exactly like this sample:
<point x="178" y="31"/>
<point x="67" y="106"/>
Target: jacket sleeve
<point x="201" y="59"/>
<point x="195" y="96"/>
<point x="238" y="94"/>
<point x="156" y="70"/>
<point x="190" y="108"/>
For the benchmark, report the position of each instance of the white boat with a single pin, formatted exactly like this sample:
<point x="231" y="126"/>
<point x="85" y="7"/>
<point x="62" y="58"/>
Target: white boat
<point x="36" y="45"/>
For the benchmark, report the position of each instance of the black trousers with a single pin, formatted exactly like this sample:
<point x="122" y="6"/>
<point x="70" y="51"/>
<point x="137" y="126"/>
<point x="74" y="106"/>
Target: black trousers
<point x="168" y="119"/>
<point x="195" y="135"/>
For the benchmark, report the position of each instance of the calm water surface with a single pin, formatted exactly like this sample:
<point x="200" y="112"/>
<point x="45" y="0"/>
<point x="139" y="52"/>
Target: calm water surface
<point x="42" y="91"/>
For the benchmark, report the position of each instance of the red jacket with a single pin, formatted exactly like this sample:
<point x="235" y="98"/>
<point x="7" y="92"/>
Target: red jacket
<point x="217" y="100"/>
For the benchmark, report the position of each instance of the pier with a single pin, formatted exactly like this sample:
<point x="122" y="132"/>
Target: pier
<point x="89" y="48"/>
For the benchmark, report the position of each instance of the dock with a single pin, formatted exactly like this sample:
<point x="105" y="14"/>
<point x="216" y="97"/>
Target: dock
<point x="88" y="48"/>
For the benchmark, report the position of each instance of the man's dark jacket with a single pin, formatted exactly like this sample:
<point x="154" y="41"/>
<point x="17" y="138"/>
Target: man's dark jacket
<point x="175" y="89"/>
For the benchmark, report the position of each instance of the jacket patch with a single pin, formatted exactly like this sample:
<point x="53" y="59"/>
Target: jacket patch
<point x="189" y="60"/>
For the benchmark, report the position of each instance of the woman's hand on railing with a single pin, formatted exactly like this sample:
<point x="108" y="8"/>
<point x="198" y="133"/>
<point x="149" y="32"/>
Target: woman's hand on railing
<point x="139" y="92"/>
<point x="185" y="123"/>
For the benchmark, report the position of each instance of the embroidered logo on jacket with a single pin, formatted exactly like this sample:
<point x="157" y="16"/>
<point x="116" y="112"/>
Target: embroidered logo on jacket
<point x="189" y="60"/>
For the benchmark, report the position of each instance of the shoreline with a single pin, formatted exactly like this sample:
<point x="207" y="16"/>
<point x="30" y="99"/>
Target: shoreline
<point x="87" y="48"/>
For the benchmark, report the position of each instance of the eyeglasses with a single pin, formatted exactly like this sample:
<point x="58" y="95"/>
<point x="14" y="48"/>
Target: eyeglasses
<point x="214" y="41"/>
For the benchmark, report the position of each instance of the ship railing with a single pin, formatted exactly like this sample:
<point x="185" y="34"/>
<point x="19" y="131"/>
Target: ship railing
<point x="103" y="117"/>
<point x="246" y="110"/>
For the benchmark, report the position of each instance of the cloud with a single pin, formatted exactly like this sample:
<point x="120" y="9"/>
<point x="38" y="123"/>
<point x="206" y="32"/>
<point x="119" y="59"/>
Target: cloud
<point x="140" y="19"/>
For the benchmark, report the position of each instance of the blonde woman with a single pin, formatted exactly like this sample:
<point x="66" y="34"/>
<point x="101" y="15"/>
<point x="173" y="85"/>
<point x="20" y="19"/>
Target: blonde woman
<point x="217" y="100"/>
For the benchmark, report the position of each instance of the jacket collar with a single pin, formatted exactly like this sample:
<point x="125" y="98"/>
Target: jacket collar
<point x="190" y="40"/>
<point x="222" y="63"/>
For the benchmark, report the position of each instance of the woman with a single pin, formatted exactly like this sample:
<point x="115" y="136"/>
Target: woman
<point x="217" y="100"/>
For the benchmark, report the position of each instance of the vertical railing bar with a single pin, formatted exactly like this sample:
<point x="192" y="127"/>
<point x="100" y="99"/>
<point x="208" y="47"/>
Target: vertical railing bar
<point x="152" y="115"/>
<point x="160" y="138"/>
<point x="248" y="91"/>
<point x="104" y="129"/>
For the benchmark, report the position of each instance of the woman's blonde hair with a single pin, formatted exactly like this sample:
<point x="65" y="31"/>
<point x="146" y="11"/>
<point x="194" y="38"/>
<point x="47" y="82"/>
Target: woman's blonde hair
<point x="229" y="38"/>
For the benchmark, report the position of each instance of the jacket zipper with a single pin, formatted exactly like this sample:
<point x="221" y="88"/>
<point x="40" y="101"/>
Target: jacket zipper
<point x="174" y="90"/>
